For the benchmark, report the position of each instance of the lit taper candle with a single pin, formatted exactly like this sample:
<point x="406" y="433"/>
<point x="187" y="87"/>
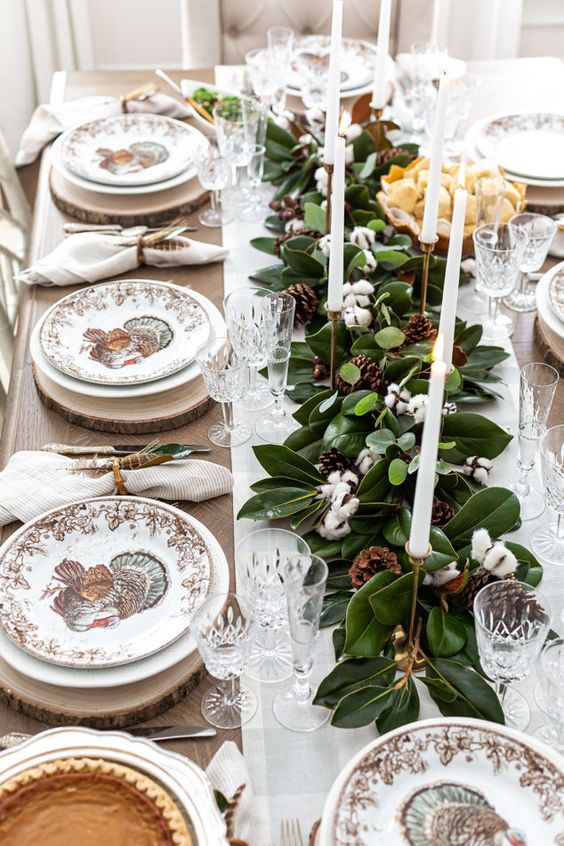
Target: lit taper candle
<point x="425" y="484"/>
<point x="333" y="93"/>
<point x="379" y="90"/>
<point x="452" y="273"/>
<point x="429" y="226"/>
<point x="335" y="283"/>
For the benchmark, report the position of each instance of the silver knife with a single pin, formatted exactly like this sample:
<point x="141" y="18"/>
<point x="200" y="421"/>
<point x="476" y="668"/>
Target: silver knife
<point x="108" y="449"/>
<point x="156" y="733"/>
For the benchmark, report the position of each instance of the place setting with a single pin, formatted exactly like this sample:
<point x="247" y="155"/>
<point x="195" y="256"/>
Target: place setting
<point x="281" y="495"/>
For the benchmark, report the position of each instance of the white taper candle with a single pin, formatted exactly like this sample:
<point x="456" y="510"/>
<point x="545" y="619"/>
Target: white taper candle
<point x="425" y="484"/>
<point x="429" y="226"/>
<point x="452" y="273"/>
<point x="334" y="89"/>
<point x="335" y="282"/>
<point x="380" y="69"/>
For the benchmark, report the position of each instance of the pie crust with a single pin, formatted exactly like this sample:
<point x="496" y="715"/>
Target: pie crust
<point x="91" y="802"/>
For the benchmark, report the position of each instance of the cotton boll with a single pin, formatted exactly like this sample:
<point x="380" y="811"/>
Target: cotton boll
<point x="353" y="132"/>
<point x="469" y="266"/>
<point x="500" y="561"/>
<point x="365" y="460"/>
<point x="478" y="468"/>
<point x="418" y="407"/>
<point x="324" y="245"/>
<point x="350" y="477"/>
<point x="349" y="154"/>
<point x="341" y="530"/>
<point x="295" y="226"/>
<point x="356" y="316"/>
<point x="397" y="398"/>
<point x="362" y="287"/>
<point x="306" y="138"/>
<point x="449" y="408"/>
<point x="438" y="578"/>
<point x="481" y="542"/>
<point x="370" y="264"/>
<point x="314" y="115"/>
<point x="282" y="121"/>
<point x="321" y="179"/>
<point x="362" y="236"/>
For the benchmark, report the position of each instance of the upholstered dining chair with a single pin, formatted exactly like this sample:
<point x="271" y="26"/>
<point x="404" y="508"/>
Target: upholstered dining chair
<point x="222" y="31"/>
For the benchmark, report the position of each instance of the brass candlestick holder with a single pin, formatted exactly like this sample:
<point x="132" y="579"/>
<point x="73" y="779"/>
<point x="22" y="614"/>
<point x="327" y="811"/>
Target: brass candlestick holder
<point x="408" y="653"/>
<point x="377" y="128"/>
<point x="329" y="170"/>
<point x="334" y="317"/>
<point x="426" y="248"/>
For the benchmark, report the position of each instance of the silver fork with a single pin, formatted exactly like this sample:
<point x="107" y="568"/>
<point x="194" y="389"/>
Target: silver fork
<point x="290" y="833"/>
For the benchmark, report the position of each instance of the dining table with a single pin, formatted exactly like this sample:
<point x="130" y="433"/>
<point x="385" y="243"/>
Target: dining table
<point x="290" y="773"/>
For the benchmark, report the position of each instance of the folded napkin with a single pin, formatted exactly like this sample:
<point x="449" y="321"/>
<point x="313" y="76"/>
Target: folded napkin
<point x="90" y="256"/>
<point x="49" y="121"/>
<point x="227" y="772"/>
<point x="34" y="482"/>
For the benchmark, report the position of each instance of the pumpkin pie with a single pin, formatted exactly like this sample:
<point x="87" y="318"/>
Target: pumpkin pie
<point x="88" y="802"/>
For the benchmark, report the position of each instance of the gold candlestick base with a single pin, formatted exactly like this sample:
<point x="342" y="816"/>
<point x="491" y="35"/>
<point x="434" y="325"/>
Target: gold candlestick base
<point x="426" y="248"/>
<point x="408" y="653"/>
<point x="334" y="317"/>
<point x="329" y="170"/>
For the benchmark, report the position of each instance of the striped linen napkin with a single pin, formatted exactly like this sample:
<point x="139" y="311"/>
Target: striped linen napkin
<point x="35" y="482"/>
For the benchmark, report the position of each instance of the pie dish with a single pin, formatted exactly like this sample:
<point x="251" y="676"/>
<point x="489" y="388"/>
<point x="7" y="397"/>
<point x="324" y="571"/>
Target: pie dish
<point x="71" y="800"/>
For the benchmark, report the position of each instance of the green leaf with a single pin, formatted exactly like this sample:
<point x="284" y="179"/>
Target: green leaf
<point x="474" y="696"/>
<point x="265" y="245"/>
<point x="314" y="217"/>
<point x="389" y="337"/>
<point x="350" y="373"/>
<point x="380" y="440"/>
<point x="446" y="635"/>
<point x="403" y="707"/>
<point x="362" y="707"/>
<point x="352" y="674"/>
<point x="347" y="434"/>
<point x="529" y="570"/>
<point x="367" y="404"/>
<point x="397" y="471"/>
<point x="303" y="412"/>
<point x="407" y="441"/>
<point x="301" y="263"/>
<point x="365" y="635"/>
<point x="474" y="435"/>
<point x="320" y="342"/>
<point x="391" y="604"/>
<point x="391" y="259"/>
<point x="494" y="509"/>
<point x="335" y="608"/>
<point x="368" y="167"/>
<point x="400" y="296"/>
<point x="353" y="257"/>
<point x="396" y="530"/>
<point x="281" y="461"/>
<point x="374" y="486"/>
<point x="273" y="505"/>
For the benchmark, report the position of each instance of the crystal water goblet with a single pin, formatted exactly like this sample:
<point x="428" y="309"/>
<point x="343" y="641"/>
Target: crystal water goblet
<point x="226" y="378"/>
<point x="549" y="693"/>
<point x="537" y="385"/>
<point x="312" y="60"/>
<point x="304" y="577"/>
<point x="244" y="318"/>
<point x="280" y="42"/>
<point x="223" y="628"/>
<point x="489" y="192"/>
<point x="213" y="172"/>
<point x="259" y="560"/>
<point x="498" y="249"/>
<point x="512" y="620"/>
<point x="547" y="542"/>
<point x="279" y="310"/>
<point x="540" y="231"/>
<point x="264" y="74"/>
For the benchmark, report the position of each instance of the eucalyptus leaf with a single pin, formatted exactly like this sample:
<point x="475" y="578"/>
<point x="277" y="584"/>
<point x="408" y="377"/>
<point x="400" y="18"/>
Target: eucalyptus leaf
<point x="397" y="471"/>
<point x="389" y="338"/>
<point x="314" y="217"/>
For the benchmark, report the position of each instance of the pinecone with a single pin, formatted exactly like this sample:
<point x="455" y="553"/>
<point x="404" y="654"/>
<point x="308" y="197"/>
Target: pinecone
<point x="371" y="561"/>
<point x="371" y="377"/>
<point x="306" y="302"/>
<point x="513" y="604"/>
<point x="442" y="513"/>
<point x="333" y="460"/>
<point x="320" y="369"/>
<point x="418" y="328"/>
<point x="479" y="578"/>
<point x="385" y="156"/>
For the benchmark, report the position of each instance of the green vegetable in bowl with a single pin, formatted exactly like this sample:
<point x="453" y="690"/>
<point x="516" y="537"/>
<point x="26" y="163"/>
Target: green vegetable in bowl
<point x="209" y="99"/>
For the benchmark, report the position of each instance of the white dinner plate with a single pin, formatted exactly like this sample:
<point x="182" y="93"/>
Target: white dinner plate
<point x="447" y="780"/>
<point x="90" y="389"/>
<point x="119" y="190"/>
<point x="104" y="677"/>
<point x="545" y="306"/>
<point x="526" y="143"/>
<point x="135" y="148"/>
<point x="103" y="582"/>
<point x="186" y="782"/>
<point x="124" y="332"/>
<point x="357" y="62"/>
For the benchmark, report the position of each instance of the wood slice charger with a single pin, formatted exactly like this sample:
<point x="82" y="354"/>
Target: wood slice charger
<point x="113" y="707"/>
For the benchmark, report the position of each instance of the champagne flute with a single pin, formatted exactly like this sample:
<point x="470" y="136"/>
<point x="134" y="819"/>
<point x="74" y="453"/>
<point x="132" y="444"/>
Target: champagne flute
<point x="279" y="312"/>
<point x="548" y="540"/>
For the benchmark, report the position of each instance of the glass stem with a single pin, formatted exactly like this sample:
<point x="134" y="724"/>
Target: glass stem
<point x="227" y="412"/>
<point x="301" y="687"/>
<point x="500" y="690"/>
<point x="213" y="200"/>
<point x="522" y="485"/>
<point x="524" y="283"/>
<point x="559" y="526"/>
<point x="252" y="376"/>
<point x="231" y="691"/>
<point x="494" y="309"/>
<point x="278" y="410"/>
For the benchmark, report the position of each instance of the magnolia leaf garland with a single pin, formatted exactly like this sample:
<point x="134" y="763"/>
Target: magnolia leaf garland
<point x="346" y="478"/>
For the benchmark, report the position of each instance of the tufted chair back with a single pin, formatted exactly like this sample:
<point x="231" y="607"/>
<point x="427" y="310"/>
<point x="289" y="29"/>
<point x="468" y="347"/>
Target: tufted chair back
<point x="222" y="31"/>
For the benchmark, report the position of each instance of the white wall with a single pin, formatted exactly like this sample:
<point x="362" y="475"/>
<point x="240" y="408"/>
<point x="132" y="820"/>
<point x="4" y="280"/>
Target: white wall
<point x="542" y="30"/>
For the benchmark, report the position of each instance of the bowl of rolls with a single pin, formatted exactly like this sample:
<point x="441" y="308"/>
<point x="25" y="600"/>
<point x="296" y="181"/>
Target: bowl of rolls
<point x="403" y="190"/>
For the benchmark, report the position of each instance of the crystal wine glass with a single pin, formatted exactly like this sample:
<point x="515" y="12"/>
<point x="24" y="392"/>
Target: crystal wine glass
<point x="226" y="378"/>
<point x="304" y="578"/>
<point x="540" y="232"/>
<point x="548" y="540"/>
<point x="213" y="172"/>
<point x="223" y="627"/>
<point x="549" y="693"/>
<point x="512" y="621"/>
<point x="244" y="317"/>
<point x="278" y="325"/>
<point x="280" y="41"/>
<point x="489" y="192"/>
<point x="264" y="74"/>
<point x="312" y="60"/>
<point x="537" y="385"/>
<point x="259" y="560"/>
<point x="499" y="250"/>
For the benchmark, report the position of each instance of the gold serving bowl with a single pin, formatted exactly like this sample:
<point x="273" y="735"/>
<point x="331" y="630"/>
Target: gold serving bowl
<point x="402" y="199"/>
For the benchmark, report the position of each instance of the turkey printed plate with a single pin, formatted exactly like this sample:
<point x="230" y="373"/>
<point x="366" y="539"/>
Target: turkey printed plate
<point x="129" y="149"/>
<point x="448" y="782"/>
<point x="124" y="333"/>
<point x="103" y="582"/>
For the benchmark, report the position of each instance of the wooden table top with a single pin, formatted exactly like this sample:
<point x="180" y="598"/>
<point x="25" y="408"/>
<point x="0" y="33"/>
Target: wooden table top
<point x="28" y="424"/>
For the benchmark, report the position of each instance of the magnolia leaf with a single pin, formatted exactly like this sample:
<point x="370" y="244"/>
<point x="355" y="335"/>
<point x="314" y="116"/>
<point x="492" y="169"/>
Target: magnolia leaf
<point x="301" y="263"/>
<point x="265" y="245"/>
<point x="314" y="217"/>
<point x="474" y="435"/>
<point x="273" y="505"/>
<point x="375" y="484"/>
<point x="350" y="373"/>
<point x="474" y="696"/>
<point x="389" y="338"/>
<point x="445" y="634"/>
<point x="279" y="460"/>
<point x="391" y="604"/>
<point x="303" y="412"/>
<point x="454" y="381"/>
<point x="494" y="509"/>
<point x="403" y="707"/>
<point x="335" y="608"/>
<point x="338" y="642"/>
<point x="362" y="706"/>
<point x="320" y="342"/>
<point x="352" y="674"/>
<point x="347" y="434"/>
<point x="365" y="635"/>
